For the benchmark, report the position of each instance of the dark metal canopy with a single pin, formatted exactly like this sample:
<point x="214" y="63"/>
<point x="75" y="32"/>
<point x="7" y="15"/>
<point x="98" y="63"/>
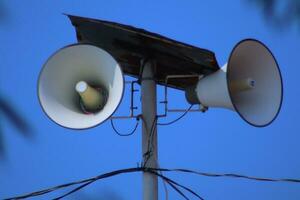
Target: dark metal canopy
<point x="129" y="45"/>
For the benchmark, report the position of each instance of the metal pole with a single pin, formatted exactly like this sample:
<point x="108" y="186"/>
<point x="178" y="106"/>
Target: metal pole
<point x="149" y="134"/>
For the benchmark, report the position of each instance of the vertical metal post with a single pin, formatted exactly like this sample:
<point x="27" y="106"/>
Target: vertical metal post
<point x="149" y="133"/>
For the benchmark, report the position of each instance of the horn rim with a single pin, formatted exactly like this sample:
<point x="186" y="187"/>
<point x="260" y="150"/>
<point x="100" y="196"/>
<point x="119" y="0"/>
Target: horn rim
<point x="38" y="87"/>
<point x="281" y="83"/>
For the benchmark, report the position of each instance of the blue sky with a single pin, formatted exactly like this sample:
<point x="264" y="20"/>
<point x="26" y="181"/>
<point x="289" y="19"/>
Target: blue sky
<point x="217" y="141"/>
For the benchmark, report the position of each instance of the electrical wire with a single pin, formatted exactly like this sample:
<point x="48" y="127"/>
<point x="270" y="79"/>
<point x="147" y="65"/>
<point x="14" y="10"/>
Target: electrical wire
<point x="164" y="184"/>
<point x="74" y="190"/>
<point x="155" y="171"/>
<point x="177" y="119"/>
<point x="177" y="184"/>
<point x="102" y="176"/>
<point x="171" y="182"/>
<point x="173" y="185"/>
<point x="230" y="175"/>
<point x="124" y="134"/>
<point x="87" y="182"/>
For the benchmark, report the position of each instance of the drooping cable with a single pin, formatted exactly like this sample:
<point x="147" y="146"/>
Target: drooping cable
<point x="87" y="182"/>
<point x="75" y="190"/>
<point x="230" y="175"/>
<point x="164" y="183"/>
<point x="177" y="119"/>
<point x="102" y="176"/>
<point x="173" y="185"/>
<point x="155" y="171"/>
<point x="171" y="182"/>
<point x="125" y="134"/>
<point x="179" y="185"/>
<point x="165" y="180"/>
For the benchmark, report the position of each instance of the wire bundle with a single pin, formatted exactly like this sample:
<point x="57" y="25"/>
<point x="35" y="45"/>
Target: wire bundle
<point x="179" y="188"/>
<point x="176" y="186"/>
<point x="86" y="182"/>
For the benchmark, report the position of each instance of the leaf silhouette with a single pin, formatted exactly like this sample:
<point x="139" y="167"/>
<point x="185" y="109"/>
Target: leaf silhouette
<point x="280" y="13"/>
<point x="9" y="111"/>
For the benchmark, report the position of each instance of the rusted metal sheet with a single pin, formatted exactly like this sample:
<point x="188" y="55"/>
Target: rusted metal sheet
<point x="129" y="45"/>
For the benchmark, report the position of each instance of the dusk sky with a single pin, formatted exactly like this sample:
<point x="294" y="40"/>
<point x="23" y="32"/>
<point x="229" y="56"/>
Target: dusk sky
<point x="217" y="141"/>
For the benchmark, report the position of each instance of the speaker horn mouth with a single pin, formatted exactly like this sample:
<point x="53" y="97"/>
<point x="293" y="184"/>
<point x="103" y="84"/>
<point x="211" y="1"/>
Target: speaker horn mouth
<point x="260" y="105"/>
<point x="64" y="69"/>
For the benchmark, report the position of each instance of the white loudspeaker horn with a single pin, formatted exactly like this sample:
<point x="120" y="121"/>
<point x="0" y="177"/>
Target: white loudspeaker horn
<point x="80" y="86"/>
<point x="250" y="83"/>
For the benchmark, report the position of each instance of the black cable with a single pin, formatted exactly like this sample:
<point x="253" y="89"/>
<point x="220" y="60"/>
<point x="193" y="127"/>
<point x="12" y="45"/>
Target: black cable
<point x="102" y="176"/>
<point x="74" y="190"/>
<point x="230" y="175"/>
<point x="150" y="170"/>
<point x="179" y="185"/>
<point x="124" y="134"/>
<point x="87" y="182"/>
<point x="177" y="190"/>
<point x="172" y="183"/>
<point x="175" y="120"/>
<point x="165" y="179"/>
<point x="164" y="183"/>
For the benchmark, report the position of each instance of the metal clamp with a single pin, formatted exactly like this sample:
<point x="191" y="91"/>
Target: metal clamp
<point x="166" y="110"/>
<point x="132" y="107"/>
